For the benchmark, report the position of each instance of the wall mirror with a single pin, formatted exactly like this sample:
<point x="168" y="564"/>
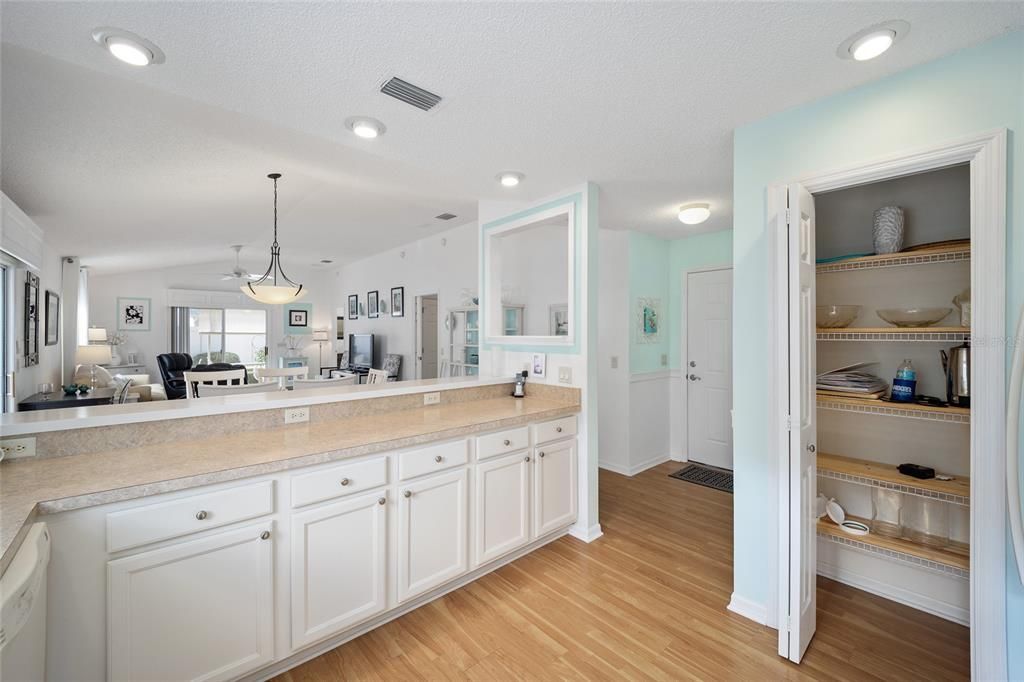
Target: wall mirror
<point x="530" y="278"/>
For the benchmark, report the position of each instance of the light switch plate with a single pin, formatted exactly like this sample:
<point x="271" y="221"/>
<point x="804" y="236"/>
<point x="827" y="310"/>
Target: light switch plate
<point x="294" y="415"/>
<point x="13" y="448"/>
<point x="615" y="362"/>
<point x="432" y="398"/>
<point x="565" y="375"/>
<point x="664" y="360"/>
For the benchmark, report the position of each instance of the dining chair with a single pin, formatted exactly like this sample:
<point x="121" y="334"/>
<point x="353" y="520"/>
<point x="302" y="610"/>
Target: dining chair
<point x="193" y="379"/>
<point x="212" y="390"/>
<point x="350" y="380"/>
<point x="281" y="375"/>
<point x="377" y="376"/>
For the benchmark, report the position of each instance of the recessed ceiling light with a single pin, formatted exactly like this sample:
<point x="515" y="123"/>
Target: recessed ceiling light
<point x="365" y="127"/>
<point x="872" y="41"/>
<point x="510" y="178"/>
<point x="694" y="214"/>
<point x="128" y="47"/>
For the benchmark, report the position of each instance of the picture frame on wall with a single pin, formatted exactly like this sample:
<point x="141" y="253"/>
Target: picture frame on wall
<point x="373" y="304"/>
<point x="353" y="307"/>
<point x="340" y="330"/>
<point x="298" y="318"/>
<point x="133" y="314"/>
<point x="398" y="302"/>
<point x="52" y="318"/>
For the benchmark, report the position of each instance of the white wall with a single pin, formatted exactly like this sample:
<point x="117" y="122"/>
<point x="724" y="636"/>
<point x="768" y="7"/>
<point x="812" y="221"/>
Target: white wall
<point x="613" y="342"/>
<point x="104" y="291"/>
<point x="444" y="264"/>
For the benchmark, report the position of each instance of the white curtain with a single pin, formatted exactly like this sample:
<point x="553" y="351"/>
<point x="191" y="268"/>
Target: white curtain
<point x="82" y="318"/>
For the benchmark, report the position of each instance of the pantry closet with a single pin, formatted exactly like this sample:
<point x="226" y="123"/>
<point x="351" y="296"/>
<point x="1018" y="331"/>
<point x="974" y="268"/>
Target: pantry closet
<point x="917" y="546"/>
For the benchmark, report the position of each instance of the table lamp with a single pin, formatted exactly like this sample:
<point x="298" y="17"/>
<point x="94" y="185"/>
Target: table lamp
<point x="93" y="355"/>
<point x="97" y="335"/>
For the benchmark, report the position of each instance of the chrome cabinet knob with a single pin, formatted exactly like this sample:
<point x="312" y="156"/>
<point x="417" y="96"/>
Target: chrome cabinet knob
<point x="382" y="500"/>
<point x="508" y="442"/>
<point x="540" y="454"/>
<point x="265" y="535"/>
<point x="345" y="481"/>
<point x="527" y="458"/>
<point x="407" y="493"/>
<point x="811" y="448"/>
<point x="439" y="459"/>
<point x="201" y="514"/>
<point x="558" y="429"/>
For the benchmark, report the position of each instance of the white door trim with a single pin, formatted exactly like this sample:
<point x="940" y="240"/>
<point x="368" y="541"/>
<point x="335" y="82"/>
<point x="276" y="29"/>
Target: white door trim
<point x="986" y="153"/>
<point x="684" y="406"/>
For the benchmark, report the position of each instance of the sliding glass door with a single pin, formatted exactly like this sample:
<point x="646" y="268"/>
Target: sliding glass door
<point x="232" y="335"/>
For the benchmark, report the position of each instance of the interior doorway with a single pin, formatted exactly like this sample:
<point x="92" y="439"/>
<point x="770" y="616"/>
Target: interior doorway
<point x="709" y="367"/>
<point x="426" y="336"/>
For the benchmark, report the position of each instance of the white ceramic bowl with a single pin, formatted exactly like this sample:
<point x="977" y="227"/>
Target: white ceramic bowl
<point x="913" y="317"/>
<point x="837" y="316"/>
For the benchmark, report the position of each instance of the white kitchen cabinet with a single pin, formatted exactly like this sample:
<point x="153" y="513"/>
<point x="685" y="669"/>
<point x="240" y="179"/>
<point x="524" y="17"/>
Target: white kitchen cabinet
<point x="338" y="566"/>
<point x="433" y="529"/>
<point x="196" y="610"/>
<point x="502" y="505"/>
<point x="554" y="487"/>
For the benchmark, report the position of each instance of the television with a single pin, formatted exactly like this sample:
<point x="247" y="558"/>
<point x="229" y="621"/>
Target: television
<point x="360" y="351"/>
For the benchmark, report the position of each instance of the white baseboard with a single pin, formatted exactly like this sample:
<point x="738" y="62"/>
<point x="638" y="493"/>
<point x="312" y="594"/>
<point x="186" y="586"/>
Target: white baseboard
<point x="896" y="594"/>
<point x="636" y="468"/>
<point x="586" y="534"/>
<point x="748" y="609"/>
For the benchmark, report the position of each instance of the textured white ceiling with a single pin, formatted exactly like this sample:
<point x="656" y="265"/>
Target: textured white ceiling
<point x="132" y="167"/>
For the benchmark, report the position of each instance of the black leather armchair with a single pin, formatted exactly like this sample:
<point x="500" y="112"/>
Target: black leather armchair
<point x="172" y="368"/>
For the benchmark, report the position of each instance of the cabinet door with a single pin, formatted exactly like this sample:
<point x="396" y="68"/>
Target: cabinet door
<point x="554" y="487"/>
<point x="339" y="566"/>
<point x="432" y="532"/>
<point x="502" y="506"/>
<point x="198" y="610"/>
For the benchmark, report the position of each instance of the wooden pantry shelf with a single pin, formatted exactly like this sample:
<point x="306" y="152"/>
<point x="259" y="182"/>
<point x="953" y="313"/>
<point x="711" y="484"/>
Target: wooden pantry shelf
<point x="894" y="334"/>
<point x="879" y="475"/>
<point x="958" y="415"/>
<point x="954" y="558"/>
<point x="891" y="260"/>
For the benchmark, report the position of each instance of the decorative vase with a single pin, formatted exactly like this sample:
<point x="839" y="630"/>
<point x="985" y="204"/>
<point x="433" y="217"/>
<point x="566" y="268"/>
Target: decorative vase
<point x="888" y="232"/>
<point x="115" y="358"/>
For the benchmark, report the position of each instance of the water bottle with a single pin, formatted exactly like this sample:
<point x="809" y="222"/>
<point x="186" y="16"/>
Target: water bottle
<point x="904" y="386"/>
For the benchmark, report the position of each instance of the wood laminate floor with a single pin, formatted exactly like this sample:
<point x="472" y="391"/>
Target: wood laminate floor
<point x="645" y="601"/>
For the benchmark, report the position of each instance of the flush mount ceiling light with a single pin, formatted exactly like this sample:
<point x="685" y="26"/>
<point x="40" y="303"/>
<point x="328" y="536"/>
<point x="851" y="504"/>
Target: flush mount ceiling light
<point x="128" y="47"/>
<point x="872" y="41"/>
<point x="694" y="214"/>
<point x="365" y="127"/>
<point x="274" y="287"/>
<point x="510" y="178"/>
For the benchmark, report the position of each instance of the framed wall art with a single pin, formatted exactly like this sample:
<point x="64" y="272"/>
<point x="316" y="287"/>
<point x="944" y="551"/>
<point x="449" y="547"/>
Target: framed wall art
<point x="133" y="314"/>
<point x="398" y="302"/>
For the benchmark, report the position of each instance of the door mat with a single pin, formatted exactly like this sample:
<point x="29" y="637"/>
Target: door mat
<point x="709" y="477"/>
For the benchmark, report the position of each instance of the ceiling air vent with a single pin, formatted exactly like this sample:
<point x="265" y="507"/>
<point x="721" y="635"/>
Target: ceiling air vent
<point x="410" y="94"/>
<point x="445" y="216"/>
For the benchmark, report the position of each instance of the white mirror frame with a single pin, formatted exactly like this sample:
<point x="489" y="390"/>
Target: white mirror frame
<point x="491" y="302"/>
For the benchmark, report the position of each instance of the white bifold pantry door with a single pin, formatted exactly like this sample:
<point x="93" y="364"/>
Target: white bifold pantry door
<point x="796" y="630"/>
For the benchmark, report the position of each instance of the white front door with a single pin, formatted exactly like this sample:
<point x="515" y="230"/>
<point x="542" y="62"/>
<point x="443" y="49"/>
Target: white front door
<point x="803" y="430"/>
<point x="709" y="367"/>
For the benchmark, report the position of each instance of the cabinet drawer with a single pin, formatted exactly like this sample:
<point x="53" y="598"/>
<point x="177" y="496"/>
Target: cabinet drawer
<point x="165" y="520"/>
<point x="504" y="441"/>
<point x="434" y="458"/>
<point x="340" y="480"/>
<point x="554" y="430"/>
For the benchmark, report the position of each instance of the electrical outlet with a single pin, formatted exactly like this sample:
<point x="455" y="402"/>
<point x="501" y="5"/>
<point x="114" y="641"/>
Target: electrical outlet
<point x="13" y="448"/>
<point x="294" y="415"/>
<point x="565" y="375"/>
<point x="615" y="362"/>
<point x="432" y="398"/>
<point x="664" y="360"/>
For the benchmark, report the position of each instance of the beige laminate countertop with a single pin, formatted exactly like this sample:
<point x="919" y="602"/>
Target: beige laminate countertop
<point x="29" y="488"/>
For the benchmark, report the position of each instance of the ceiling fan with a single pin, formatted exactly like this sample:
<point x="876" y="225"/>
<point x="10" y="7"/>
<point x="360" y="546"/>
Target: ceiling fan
<point x="239" y="272"/>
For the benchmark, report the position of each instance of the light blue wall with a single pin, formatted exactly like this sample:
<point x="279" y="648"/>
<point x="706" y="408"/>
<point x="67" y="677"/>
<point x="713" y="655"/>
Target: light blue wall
<point x="972" y="91"/>
<point x="699" y="251"/>
<point x="648" y="277"/>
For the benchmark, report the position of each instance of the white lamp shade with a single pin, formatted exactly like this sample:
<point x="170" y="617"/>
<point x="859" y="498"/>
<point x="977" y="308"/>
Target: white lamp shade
<point x="93" y="355"/>
<point x="97" y="334"/>
<point x="320" y="335"/>
<point x="273" y="295"/>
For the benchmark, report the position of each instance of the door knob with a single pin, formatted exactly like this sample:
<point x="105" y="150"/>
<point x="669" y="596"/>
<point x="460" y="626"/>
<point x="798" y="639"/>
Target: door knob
<point x="811" y="448"/>
<point x="694" y="377"/>
<point x="692" y="363"/>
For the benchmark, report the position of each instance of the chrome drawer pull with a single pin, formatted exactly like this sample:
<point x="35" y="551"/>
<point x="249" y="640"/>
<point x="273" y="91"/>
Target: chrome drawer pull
<point x="439" y="459"/>
<point x="201" y="515"/>
<point x="541" y="454"/>
<point x="382" y="500"/>
<point x="558" y="429"/>
<point x="264" y="535"/>
<point x="345" y="481"/>
<point x="508" y="442"/>
<point x="407" y="493"/>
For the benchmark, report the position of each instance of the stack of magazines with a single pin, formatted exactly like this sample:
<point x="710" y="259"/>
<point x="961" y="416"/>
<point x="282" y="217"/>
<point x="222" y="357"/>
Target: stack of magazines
<point x="852" y="381"/>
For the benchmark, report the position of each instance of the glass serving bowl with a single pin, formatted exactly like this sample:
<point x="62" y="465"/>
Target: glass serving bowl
<point x="913" y="317"/>
<point x="837" y="316"/>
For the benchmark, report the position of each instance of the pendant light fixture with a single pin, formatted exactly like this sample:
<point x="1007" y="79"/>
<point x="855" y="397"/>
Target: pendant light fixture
<point x="274" y="287"/>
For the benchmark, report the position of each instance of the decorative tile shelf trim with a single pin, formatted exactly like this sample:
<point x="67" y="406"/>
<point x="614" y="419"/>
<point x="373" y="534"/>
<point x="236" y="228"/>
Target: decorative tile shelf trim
<point x="897" y="260"/>
<point x="886" y="409"/>
<point x="895" y="335"/>
<point x="898" y="487"/>
<point x="902" y="557"/>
